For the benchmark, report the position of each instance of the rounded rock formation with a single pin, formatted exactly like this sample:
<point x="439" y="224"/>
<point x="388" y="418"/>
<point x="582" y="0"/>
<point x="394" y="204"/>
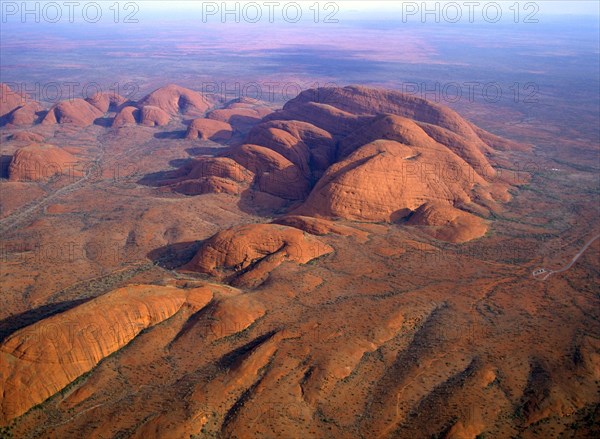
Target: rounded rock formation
<point x="127" y="116"/>
<point x="153" y="116"/>
<point x="40" y="162"/>
<point x="239" y="248"/>
<point x="105" y="101"/>
<point x="41" y="359"/>
<point x="275" y="174"/>
<point x="208" y="129"/>
<point x="10" y="100"/>
<point x="25" y="115"/>
<point x="447" y="223"/>
<point x="175" y="100"/>
<point x="75" y="111"/>
<point x="369" y="155"/>
<point x="210" y="175"/>
<point x="17" y="108"/>
<point x="385" y="180"/>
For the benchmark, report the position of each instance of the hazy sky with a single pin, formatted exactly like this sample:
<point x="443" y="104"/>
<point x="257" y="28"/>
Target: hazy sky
<point x="553" y="7"/>
<point x="467" y="11"/>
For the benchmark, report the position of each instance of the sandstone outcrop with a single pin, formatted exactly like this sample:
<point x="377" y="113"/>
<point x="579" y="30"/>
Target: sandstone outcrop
<point x="41" y="359"/>
<point x="10" y="100"/>
<point x="369" y="155"/>
<point x="17" y="108"/>
<point x="447" y="223"/>
<point x="152" y="116"/>
<point x="75" y="111"/>
<point x="128" y="115"/>
<point x="241" y="112"/>
<point x="208" y="129"/>
<point x="105" y="101"/>
<point x="242" y="249"/>
<point x="210" y="175"/>
<point x="175" y="100"/>
<point x="40" y="162"/>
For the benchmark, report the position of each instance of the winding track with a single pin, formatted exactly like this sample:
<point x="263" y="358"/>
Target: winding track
<point x="14" y="220"/>
<point x="548" y="273"/>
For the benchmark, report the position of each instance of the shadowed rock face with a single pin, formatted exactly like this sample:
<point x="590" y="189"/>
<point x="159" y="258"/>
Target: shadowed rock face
<point x="309" y="147"/>
<point x="371" y="155"/>
<point x="274" y="174"/>
<point x="25" y="115"/>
